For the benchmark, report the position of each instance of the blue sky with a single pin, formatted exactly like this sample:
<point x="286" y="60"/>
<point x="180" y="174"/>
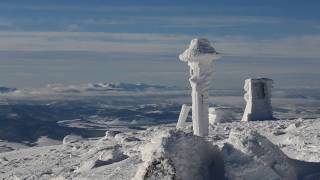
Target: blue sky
<point x="79" y="41"/>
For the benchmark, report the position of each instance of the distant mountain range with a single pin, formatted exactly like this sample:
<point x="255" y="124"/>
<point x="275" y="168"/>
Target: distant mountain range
<point x="4" y="89"/>
<point x="138" y="87"/>
<point x="90" y="87"/>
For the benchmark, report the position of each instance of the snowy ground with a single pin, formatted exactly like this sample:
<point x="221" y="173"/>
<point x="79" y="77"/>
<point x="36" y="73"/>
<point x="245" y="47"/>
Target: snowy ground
<point x="118" y="154"/>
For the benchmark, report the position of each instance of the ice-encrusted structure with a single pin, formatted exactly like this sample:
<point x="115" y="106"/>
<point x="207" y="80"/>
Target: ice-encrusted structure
<point x="183" y="116"/>
<point x="220" y="115"/>
<point x="199" y="57"/>
<point x="258" y="95"/>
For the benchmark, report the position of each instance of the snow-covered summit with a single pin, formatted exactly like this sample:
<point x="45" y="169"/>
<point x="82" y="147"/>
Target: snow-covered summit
<point x="250" y="150"/>
<point x="199" y="48"/>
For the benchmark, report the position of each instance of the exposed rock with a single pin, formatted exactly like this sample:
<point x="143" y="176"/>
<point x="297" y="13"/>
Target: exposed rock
<point x="131" y="139"/>
<point x="278" y="132"/>
<point x="160" y="169"/>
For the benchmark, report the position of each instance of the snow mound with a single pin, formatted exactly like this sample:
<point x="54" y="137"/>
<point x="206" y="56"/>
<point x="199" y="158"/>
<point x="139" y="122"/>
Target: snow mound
<point x="294" y="126"/>
<point x="69" y="139"/>
<point x="249" y="155"/>
<point x="46" y="141"/>
<point x="179" y="155"/>
<point x="105" y="158"/>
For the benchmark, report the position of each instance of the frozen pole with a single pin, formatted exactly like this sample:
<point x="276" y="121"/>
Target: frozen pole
<point x="183" y="116"/>
<point x="199" y="57"/>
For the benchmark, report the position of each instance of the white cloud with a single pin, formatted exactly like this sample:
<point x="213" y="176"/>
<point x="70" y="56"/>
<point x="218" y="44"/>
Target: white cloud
<point x="157" y="44"/>
<point x="5" y="24"/>
<point x="131" y="16"/>
<point x="317" y="26"/>
<point x="292" y="46"/>
<point x="212" y="21"/>
<point x="72" y="27"/>
<point x="87" y="41"/>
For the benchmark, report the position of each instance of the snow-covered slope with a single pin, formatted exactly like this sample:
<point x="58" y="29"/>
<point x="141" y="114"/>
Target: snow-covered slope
<point x="250" y="150"/>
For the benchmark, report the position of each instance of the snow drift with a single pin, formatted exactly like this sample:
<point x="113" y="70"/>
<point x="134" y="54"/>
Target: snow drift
<point x="180" y="155"/>
<point x="249" y="155"/>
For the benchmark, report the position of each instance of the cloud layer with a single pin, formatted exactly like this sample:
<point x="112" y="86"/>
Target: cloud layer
<point x="305" y="46"/>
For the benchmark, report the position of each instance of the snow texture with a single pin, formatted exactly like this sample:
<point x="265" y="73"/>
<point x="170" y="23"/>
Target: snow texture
<point x="249" y="150"/>
<point x="199" y="49"/>
<point x="258" y="95"/>
<point x="252" y="156"/>
<point x="69" y="139"/>
<point x="179" y="155"/>
<point x="200" y="56"/>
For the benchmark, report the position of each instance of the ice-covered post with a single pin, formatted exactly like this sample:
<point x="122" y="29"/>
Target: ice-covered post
<point x="258" y="95"/>
<point x="183" y="116"/>
<point x="199" y="57"/>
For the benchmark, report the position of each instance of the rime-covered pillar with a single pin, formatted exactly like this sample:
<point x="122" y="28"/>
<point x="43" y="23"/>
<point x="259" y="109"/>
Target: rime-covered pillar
<point x="183" y="116"/>
<point x="199" y="57"/>
<point x="258" y="98"/>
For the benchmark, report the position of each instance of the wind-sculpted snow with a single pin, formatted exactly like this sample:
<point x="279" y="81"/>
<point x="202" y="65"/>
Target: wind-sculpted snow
<point x="161" y="152"/>
<point x="250" y="156"/>
<point x="179" y="155"/>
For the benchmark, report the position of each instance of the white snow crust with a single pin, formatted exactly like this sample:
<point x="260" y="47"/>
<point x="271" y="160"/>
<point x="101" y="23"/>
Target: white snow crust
<point x="286" y="149"/>
<point x="183" y="156"/>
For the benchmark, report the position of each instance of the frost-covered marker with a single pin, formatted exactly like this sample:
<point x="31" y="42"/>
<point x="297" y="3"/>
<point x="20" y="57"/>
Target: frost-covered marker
<point x="258" y="95"/>
<point x="183" y="116"/>
<point x="199" y="57"/>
